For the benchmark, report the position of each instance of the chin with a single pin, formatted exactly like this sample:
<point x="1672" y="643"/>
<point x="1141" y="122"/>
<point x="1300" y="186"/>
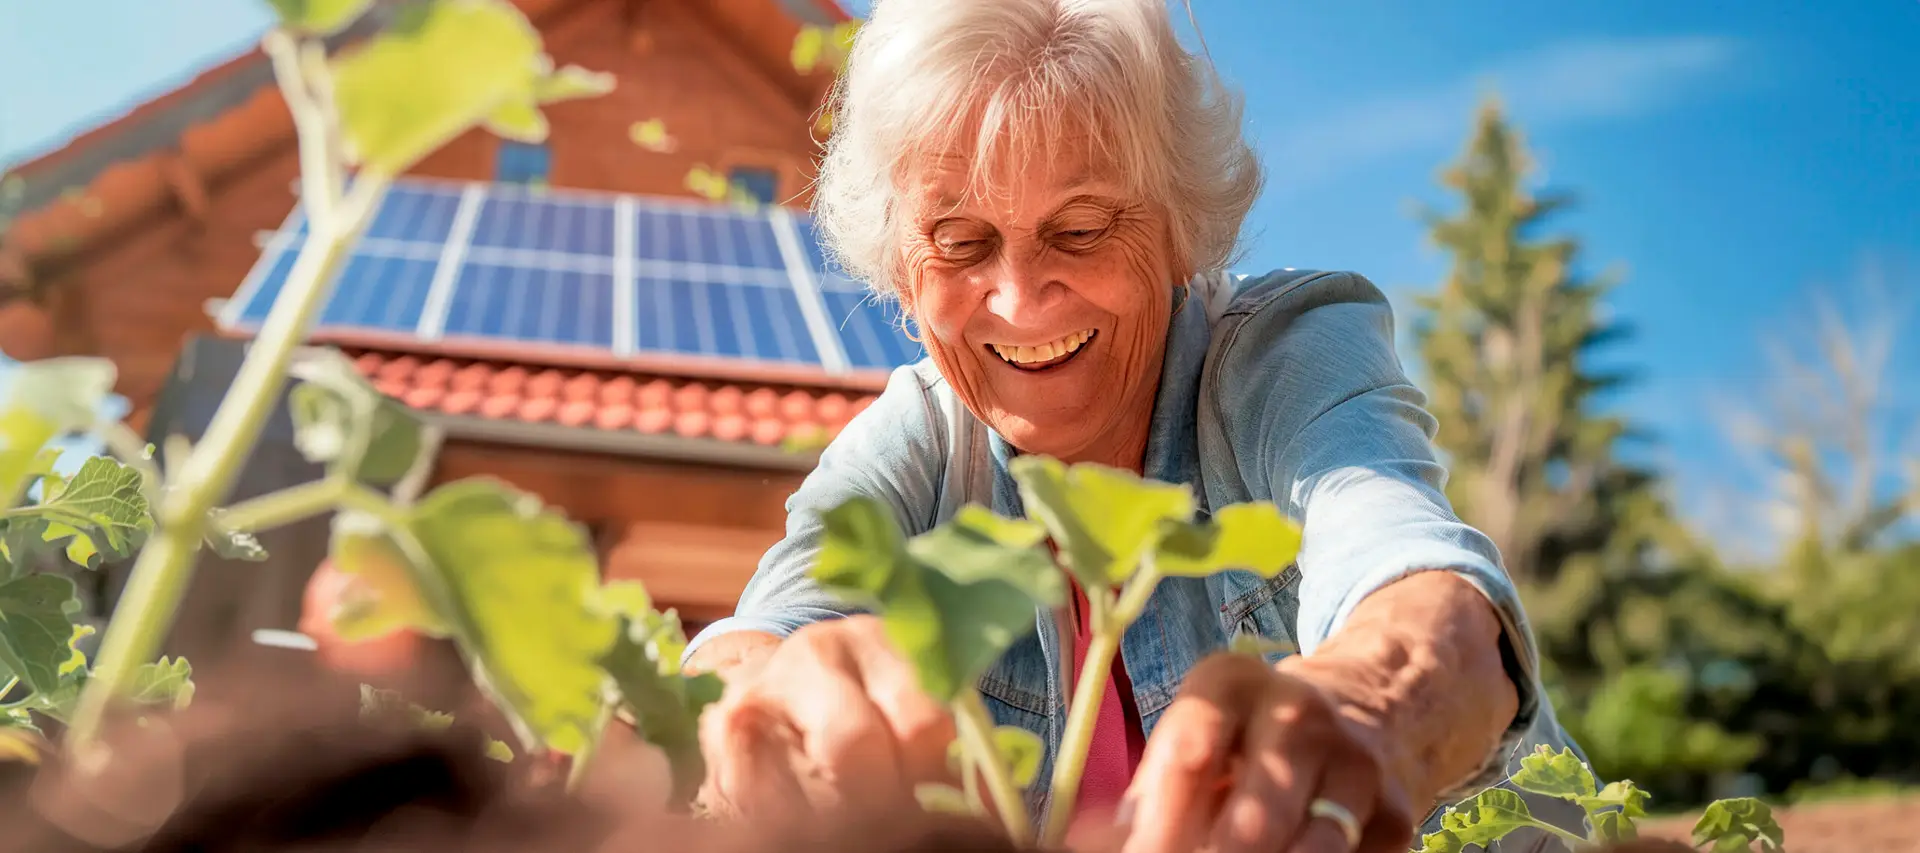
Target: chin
<point x="1059" y="437"/>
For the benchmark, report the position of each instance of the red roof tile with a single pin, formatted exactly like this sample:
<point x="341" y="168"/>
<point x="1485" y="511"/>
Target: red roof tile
<point x="605" y="400"/>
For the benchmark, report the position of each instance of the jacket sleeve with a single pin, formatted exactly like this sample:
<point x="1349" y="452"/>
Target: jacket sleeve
<point x="890" y="453"/>
<point x="1338" y="437"/>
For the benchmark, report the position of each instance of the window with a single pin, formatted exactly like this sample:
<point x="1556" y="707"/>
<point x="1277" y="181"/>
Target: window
<point x="759" y="183"/>
<point x="521" y="163"/>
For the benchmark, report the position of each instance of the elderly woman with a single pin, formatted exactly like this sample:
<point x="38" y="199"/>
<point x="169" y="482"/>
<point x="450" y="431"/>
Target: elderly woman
<point x="1051" y="189"/>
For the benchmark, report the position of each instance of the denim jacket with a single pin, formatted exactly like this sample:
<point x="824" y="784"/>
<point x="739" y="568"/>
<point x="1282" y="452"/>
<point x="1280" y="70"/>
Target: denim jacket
<point x="1284" y="388"/>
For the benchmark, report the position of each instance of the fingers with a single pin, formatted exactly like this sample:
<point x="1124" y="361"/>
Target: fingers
<point x="851" y="760"/>
<point x="749" y="768"/>
<point x="1284" y="756"/>
<point x="1188" y="757"/>
<point x="922" y="728"/>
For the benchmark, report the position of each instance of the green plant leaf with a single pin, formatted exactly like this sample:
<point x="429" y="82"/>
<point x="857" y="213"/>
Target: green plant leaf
<point x="572" y="83"/>
<point x="1623" y="795"/>
<point x="522" y="581"/>
<point x="1252" y="537"/>
<point x="942" y="799"/>
<point x="1103" y="519"/>
<point x="1020" y="750"/>
<point x="498" y="750"/>
<point x="518" y="120"/>
<point x="36" y="629"/>
<point x="1488" y="817"/>
<point x="1613" y="827"/>
<point x="48" y="398"/>
<point x="953" y="600"/>
<point x="644" y="664"/>
<point x="1554" y="774"/>
<point x="318" y="17"/>
<point x="337" y="415"/>
<point x="100" y="514"/>
<point x="464" y="62"/>
<point x="1736" y="824"/>
<point x="382" y="595"/>
<point x="167" y="682"/>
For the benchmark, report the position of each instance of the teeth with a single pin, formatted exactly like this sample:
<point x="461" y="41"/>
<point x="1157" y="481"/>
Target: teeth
<point x="1044" y="352"/>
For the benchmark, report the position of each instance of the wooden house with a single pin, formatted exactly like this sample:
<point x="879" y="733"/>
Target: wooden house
<point x="570" y="315"/>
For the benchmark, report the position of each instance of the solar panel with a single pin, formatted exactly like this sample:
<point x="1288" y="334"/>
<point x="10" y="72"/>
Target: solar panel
<point x="620" y="275"/>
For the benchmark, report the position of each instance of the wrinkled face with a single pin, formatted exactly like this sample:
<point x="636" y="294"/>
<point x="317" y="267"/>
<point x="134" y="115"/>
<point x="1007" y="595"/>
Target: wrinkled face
<point x="1046" y="304"/>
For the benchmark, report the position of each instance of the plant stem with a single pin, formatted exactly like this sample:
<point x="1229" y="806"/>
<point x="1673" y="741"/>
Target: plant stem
<point x="976" y="737"/>
<point x="286" y="506"/>
<point x="160" y="575"/>
<point x="969" y="780"/>
<point x="1085" y="709"/>
<point x="8" y="687"/>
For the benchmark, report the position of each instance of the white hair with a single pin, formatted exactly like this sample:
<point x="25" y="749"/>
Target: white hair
<point x="1016" y="73"/>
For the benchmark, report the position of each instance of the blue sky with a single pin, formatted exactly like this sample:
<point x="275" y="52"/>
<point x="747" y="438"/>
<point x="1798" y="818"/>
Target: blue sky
<point x="1732" y="159"/>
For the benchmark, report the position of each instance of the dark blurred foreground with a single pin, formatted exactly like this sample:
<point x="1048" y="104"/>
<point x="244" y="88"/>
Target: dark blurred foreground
<point x="279" y="759"/>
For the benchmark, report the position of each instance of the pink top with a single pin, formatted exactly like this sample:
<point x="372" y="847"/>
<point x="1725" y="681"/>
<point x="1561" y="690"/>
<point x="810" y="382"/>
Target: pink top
<point x="1117" y="735"/>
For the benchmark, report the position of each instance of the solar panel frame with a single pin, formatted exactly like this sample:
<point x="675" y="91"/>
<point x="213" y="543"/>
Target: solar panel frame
<point x="747" y="287"/>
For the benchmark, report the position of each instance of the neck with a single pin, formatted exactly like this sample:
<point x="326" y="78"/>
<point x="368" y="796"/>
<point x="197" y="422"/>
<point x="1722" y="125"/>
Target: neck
<point x="1125" y="447"/>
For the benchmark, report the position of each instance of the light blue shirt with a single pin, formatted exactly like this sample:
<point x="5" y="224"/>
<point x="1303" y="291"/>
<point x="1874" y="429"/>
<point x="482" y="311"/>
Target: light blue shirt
<point x="1284" y="388"/>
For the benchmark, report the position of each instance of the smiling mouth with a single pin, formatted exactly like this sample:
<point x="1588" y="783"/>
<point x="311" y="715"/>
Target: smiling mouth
<point x="1044" y="356"/>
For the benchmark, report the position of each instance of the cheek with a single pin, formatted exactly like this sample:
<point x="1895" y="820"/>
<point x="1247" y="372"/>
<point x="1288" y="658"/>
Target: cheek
<point x="934" y="295"/>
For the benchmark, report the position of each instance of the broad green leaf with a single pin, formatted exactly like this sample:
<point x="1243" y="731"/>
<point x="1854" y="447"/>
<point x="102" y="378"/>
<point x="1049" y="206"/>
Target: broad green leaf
<point x="1613" y="827"/>
<point x="1443" y="841"/>
<point x="1555" y="775"/>
<point x="572" y="83"/>
<point x="518" y="120"/>
<point x="1488" y="817"/>
<point x="318" y="17"/>
<point x="36" y="628"/>
<point x="464" y="62"/>
<point x="382" y="596"/>
<point x="337" y="415"/>
<point x="48" y="398"/>
<point x="522" y="580"/>
<point x="165" y="683"/>
<point x="232" y="544"/>
<point x="942" y="799"/>
<point x="1103" y="519"/>
<point x="1623" y="795"/>
<point x="100" y="514"/>
<point x="1734" y="825"/>
<point x="978" y="546"/>
<point x="950" y="629"/>
<point x="666" y="706"/>
<point x="1251" y="537"/>
<point x="1020" y="752"/>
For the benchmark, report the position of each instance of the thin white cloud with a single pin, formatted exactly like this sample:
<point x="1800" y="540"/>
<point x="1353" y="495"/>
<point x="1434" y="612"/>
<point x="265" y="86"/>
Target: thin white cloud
<point x="1564" y="83"/>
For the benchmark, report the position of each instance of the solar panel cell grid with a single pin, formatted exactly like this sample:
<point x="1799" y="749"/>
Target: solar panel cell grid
<point x="601" y="272"/>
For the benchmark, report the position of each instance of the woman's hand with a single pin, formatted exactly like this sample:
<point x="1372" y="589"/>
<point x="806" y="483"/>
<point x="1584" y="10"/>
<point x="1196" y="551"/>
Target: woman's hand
<point x="833" y="718"/>
<point x="1405" y="702"/>
<point x="1241" y="755"/>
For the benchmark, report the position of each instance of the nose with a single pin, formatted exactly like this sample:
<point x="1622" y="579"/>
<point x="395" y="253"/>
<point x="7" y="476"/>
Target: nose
<point x="1021" y="290"/>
